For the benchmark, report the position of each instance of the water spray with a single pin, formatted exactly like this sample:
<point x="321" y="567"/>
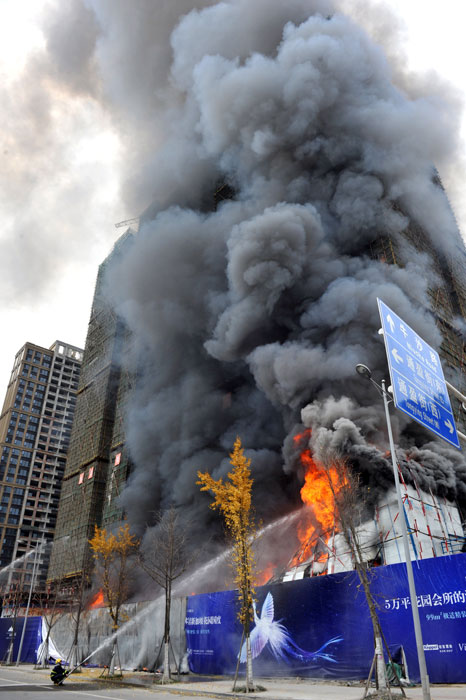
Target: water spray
<point x="81" y="663"/>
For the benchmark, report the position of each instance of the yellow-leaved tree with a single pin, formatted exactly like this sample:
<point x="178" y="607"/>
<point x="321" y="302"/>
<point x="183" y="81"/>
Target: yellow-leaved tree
<point x="233" y="499"/>
<point x="112" y="553"/>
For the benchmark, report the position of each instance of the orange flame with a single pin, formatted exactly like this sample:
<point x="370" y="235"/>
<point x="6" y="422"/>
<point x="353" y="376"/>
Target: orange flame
<point x="97" y="601"/>
<point x="300" y="436"/>
<point x="265" y="575"/>
<point x="316" y="493"/>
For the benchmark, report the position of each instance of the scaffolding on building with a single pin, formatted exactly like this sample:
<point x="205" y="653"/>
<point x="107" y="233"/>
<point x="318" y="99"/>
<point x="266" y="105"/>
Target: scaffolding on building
<point x="434" y="529"/>
<point x="98" y="398"/>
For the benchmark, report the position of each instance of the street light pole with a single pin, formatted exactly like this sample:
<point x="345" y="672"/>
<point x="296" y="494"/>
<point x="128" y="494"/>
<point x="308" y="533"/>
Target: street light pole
<point x="409" y="565"/>
<point x="34" y="568"/>
<point x="365" y="372"/>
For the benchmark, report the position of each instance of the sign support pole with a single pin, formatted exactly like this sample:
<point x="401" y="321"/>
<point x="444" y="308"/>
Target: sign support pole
<point x="409" y="566"/>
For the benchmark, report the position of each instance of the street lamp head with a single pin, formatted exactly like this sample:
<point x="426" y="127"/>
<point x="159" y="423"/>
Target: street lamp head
<point x="364" y="371"/>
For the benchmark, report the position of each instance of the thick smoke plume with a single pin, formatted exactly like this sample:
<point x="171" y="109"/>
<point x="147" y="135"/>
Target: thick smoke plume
<point x="250" y="308"/>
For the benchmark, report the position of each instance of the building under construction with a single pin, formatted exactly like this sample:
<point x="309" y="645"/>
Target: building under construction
<point x="97" y="464"/>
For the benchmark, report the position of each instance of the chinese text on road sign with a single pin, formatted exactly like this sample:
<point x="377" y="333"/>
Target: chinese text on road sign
<point x="416" y="374"/>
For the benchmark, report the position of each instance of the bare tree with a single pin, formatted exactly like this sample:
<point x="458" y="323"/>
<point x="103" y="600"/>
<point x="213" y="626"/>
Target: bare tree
<point x="77" y="601"/>
<point x="49" y="606"/>
<point x="164" y="557"/>
<point x="13" y="599"/>
<point x="348" y="507"/>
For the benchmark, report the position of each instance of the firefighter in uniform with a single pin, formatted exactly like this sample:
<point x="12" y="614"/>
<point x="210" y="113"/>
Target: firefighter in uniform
<point x="58" y="673"/>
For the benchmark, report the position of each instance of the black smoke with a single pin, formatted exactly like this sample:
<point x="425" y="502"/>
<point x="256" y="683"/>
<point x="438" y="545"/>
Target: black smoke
<point x="249" y="313"/>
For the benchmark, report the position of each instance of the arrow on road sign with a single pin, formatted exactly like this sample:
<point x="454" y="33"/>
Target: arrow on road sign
<point x="391" y="322"/>
<point x="415" y="369"/>
<point x="449" y="425"/>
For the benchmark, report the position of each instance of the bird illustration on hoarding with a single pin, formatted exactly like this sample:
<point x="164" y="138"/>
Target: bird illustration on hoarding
<point x="271" y="632"/>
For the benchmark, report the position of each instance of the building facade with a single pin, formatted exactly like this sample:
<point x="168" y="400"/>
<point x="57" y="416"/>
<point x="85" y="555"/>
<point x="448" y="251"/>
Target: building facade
<point x="35" y="430"/>
<point x="97" y="463"/>
<point x="447" y="299"/>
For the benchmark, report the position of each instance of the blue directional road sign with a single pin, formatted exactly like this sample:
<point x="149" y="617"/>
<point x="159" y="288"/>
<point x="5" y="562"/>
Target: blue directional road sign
<point x="416" y="374"/>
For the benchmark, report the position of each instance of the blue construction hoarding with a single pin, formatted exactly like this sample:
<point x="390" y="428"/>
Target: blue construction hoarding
<point x="320" y="627"/>
<point x="31" y="642"/>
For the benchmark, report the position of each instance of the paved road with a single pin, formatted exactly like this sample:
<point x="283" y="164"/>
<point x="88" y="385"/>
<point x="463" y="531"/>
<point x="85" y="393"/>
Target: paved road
<point x="25" y="683"/>
<point x="19" y="684"/>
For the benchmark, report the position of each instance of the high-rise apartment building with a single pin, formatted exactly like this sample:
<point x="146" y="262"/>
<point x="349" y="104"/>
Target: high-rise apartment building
<point x="35" y="429"/>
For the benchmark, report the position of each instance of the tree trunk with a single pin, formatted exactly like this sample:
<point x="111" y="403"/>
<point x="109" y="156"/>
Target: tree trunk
<point x="380" y="661"/>
<point x="249" y="678"/>
<point x="111" y="670"/>
<point x="380" y="664"/>
<point x="74" y="653"/>
<point x="166" y="662"/>
<point x="166" y="636"/>
<point x="45" y="652"/>
<point x="9" y="658"/>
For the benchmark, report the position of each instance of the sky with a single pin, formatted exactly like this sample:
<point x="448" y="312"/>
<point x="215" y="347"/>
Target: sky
<point x="67" y="150"/>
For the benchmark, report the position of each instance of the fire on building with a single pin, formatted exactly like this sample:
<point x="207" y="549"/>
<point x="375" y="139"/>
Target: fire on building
<point x="295" y="185"/>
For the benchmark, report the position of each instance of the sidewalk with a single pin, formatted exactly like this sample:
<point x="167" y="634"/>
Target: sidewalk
<point x="296" y="689"/>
